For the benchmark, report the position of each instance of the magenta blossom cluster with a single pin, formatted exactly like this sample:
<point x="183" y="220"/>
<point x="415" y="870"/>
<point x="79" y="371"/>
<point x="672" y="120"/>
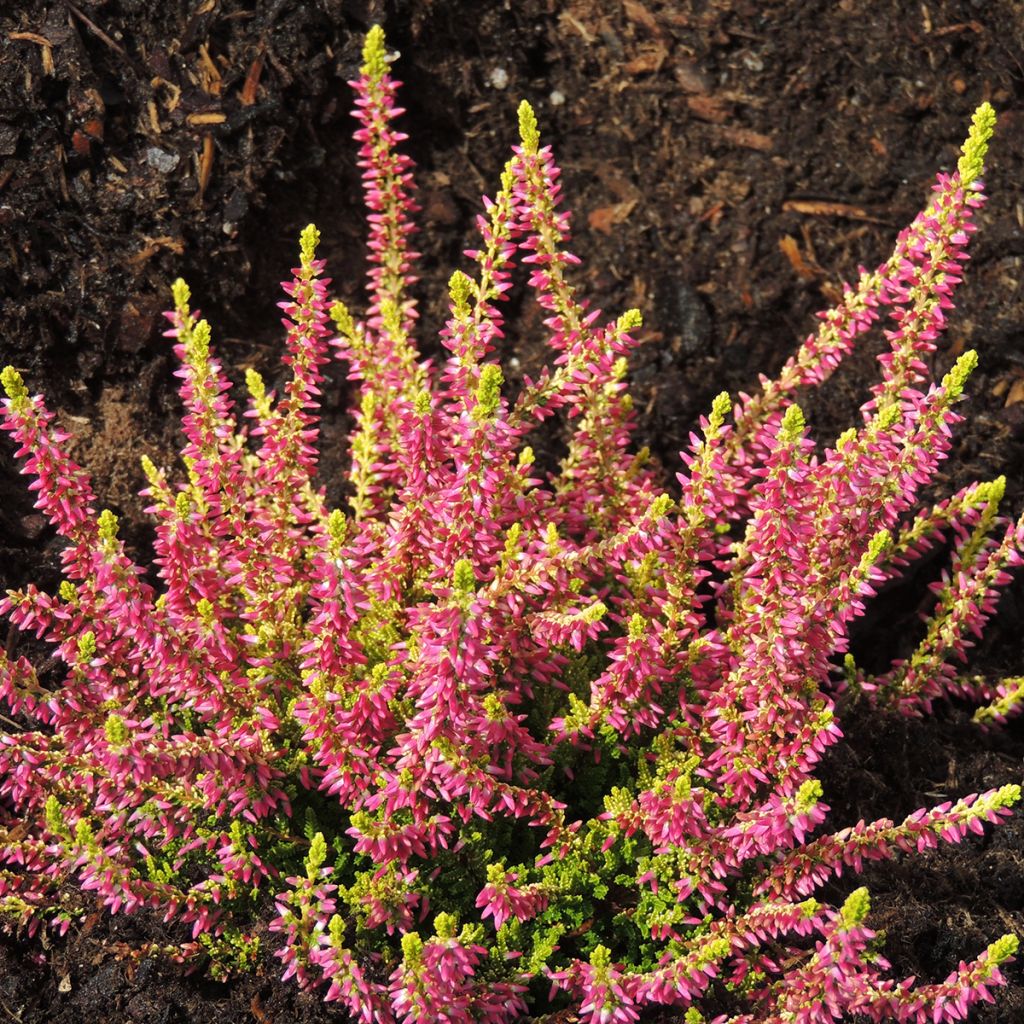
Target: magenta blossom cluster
<point x="503" y="725"/>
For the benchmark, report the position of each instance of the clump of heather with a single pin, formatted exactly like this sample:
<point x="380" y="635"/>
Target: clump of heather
<point x="490" y="731"/>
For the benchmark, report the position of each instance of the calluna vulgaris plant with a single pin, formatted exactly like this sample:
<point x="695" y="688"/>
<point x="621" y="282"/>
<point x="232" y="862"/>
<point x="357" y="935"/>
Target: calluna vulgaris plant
<point x="495" y="730"/>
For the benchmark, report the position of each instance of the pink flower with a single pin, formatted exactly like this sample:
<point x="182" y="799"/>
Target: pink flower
<point x="501" y="900"/>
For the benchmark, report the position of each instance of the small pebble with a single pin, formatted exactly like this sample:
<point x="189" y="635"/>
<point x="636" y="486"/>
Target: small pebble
<point x="556" y="99"/>
<point x="162" y="161"/>
<point x="498" y="78"/>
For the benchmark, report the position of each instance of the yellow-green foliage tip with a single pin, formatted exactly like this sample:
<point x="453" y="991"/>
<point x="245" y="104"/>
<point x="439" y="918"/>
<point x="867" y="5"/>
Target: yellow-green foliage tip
<point x="630" y="320"/>
<point x="198" y="351"/>
<point x="856" y="907"/>
<point x="488" y="390"/>
<point x="808" y="795"/>
<point x="878" y="546"/>
<point x="108" y="525"/>
<point x="956" y="379"/>
<point x="87" y="646"/>
<point x="181" y="294"/>
<point x="720" y="408"/>
<point x="528" y="127"/>
<point x="375" y="63"/>
<point x="463" y="578"/>
<point x="308" y="241"/>
<point x="14" y="385"/>
<point x="972" y="162"/>
<point x="1002" y="949"/>
<point x="342" y="319"/>
<point x="993" y="491"/>
<point x="254" y="383"/>
<point x="792" y="427"/>
<point x="316" y="856"/>
<point x="459" y="288"/>
<point x="412" y="948"/>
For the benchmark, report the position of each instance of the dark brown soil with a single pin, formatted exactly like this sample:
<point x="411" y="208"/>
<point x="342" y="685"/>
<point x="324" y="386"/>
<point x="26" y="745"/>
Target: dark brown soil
<point x="140" y="141"/>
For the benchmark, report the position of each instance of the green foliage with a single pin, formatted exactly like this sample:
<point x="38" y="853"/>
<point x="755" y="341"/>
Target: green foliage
<point x="233" y="952"/>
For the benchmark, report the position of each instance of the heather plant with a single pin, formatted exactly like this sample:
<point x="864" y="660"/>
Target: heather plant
<point x="493" y="730"/>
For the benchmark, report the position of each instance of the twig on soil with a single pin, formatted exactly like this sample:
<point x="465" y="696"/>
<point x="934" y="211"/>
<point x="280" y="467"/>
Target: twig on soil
<point x="205" y="164"/>
<point x="824" y="208"/>
<point x="10" y="1013"/>
<point x="97" y="31"/>
<point x="252" y="81"/>
<point x="41" y="41"/>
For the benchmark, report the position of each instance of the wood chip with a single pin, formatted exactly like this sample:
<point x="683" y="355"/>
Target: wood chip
<point x="174" y="92"/>
<point x="604" y="218"/>
<point x="1016" y="393"/>
<point x="640" y="15"/>
<point x="258" y="1013"/>
<point x="966" y="26"/>
<point x="30" y="37"/>
<point x="650" y="60"/>
<point x="46" y="47"/>
<point x="791" y="250"/>
<point x="690" y="77"/>
<point x="252" y="81"/>
<point x="708" y="108"/>
<point x="205" y="164"/>
<point x="748" y="139"/>
<point x="207" y="117"/>
<point x="16" y="834"/>
<point x="210" y="79"/>
<point x="824" y="208"/>
<point x="577" y="25"/>
<point x="154" y="245"/>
